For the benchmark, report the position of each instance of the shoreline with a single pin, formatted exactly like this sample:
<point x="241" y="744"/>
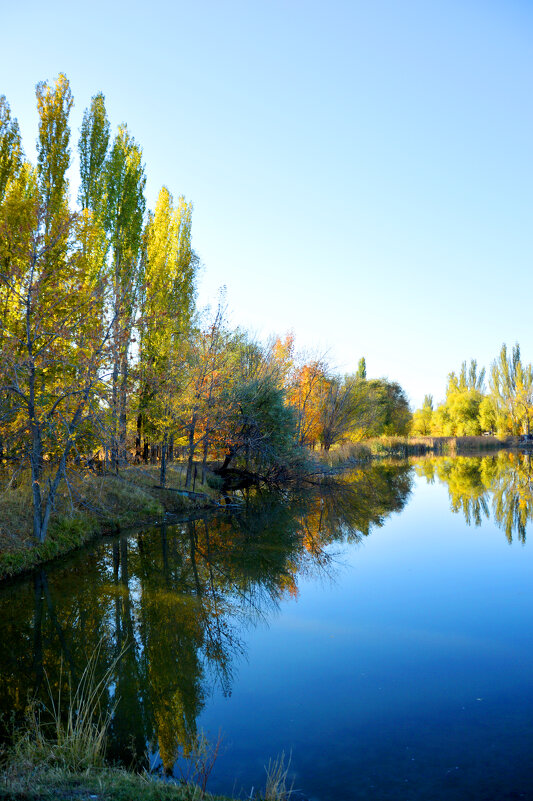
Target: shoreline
<point x="134" y="500"/>
<point x="110" y="505"/>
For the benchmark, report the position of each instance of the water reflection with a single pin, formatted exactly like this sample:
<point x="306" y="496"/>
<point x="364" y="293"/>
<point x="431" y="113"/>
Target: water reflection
<point x="501" y="485"/>
<point x="181" y="597"/>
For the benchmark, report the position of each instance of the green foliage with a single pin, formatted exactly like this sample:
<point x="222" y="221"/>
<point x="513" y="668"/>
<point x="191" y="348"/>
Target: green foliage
<point x="93" y="146"/>
<point x="422" y="422"/>
<point x="53" y="152"/>
<point x="389" y="408"/>
<point x="468" y="411"/>
<point x="124" y="181"/>
<point x="263" y="426"/>
<point x="103" y="356"/>
<point x="10" y="146"/>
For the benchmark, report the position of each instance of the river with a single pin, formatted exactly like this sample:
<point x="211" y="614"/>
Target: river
<point x="378" y="633"/>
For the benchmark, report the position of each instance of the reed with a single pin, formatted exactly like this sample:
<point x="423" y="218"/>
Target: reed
<point x="72" y="738"/>
<point x="277" y="787"/>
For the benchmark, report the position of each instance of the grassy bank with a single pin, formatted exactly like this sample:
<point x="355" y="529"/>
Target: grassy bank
<point x="104" y="784"/>
<point x="447" y="446"/>
<point x="88" y="505"/>
<point x="404" y="447"/>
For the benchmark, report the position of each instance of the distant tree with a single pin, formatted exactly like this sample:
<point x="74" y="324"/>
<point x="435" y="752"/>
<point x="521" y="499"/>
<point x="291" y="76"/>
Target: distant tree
<point x="423" y="418"/>
<point x="392" y="414"/>
<point x="487" y="415"/>
<point x="458" y="415"/>
<point x="305" y="397"/>
<point x="511" y="385"/>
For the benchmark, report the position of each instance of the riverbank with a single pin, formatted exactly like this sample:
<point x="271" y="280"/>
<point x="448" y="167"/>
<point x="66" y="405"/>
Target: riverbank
<point x="93" y="504"/>
<point x="90" y="505"/>
<point x="94" y="784"/>
<point x="404" y="447"/>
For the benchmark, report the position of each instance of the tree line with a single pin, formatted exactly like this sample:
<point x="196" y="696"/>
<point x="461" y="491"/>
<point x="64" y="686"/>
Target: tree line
<point x="104" y="356"/>
<point x="471" y="408"/>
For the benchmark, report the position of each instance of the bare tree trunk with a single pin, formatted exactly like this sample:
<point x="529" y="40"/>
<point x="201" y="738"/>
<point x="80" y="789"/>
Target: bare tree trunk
<point x="192" y="431"/>
<point x="138" y="438"/>
<point x="114" y="417"/>
<point x="206" y="448"/>
<point x="123" y="404"/>
<point x="36" y="459"/>
<point x="164" y="462"/>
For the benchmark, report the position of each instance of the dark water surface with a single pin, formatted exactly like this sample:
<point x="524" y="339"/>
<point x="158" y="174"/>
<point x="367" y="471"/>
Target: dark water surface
<point x="380" y="632"/>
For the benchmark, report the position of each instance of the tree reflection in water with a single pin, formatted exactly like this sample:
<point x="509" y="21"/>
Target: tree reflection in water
<point x="500" y="485"/>
<point x="181" y="596"/>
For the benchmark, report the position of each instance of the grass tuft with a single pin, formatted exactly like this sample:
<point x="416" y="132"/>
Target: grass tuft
<point x="72" y="739"/>
<point x="277" y="772"/>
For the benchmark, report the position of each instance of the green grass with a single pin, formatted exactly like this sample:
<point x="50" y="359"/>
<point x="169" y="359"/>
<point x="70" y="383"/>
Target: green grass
<point x="94" y="784"/>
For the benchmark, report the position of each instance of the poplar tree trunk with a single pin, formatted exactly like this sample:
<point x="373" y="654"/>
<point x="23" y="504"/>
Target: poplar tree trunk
<point x="114" y="417"/>
<point x="163" y="462"/>
<point x="206" y="448"/>
<point x="123" y="404"/>
<point x="191" y="451"/>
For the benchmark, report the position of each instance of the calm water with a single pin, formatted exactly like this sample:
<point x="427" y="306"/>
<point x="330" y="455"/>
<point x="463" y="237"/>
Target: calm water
<point x="381" y="633"/>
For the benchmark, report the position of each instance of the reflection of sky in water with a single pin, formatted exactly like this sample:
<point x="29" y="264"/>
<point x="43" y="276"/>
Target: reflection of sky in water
<point x="410" y="677"/>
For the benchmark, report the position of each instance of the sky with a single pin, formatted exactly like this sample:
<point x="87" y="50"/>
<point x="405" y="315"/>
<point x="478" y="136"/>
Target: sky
<point x="361" y="172"/>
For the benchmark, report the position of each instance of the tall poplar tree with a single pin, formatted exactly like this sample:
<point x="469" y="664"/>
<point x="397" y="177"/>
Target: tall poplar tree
<point x="93" y="147"/>
<point x="124" y="182"/>
<point x="168" y="305"/>
<point x="10" y="146"/>
<point x="53" y="153"/>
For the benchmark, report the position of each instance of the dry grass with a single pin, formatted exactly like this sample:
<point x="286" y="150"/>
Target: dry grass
<point x="414" y="446"/>
<point x="277" y="788"/>
<point x="60" y="752"/>
<point x="346" y="453"/>
<point x="174" y="496"/>
<point x="86" y="505"/>
<point x="72" y="738"/>
<point x="403" y="447"/>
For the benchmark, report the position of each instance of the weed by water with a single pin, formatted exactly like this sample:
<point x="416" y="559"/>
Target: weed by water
<point x="195" y="763"/>
<point x="277" y="788"/>
<point x="72" y="739"/>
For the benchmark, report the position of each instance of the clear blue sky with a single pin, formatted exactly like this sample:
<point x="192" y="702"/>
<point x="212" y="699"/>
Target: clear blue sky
<point x="361" y="172"/>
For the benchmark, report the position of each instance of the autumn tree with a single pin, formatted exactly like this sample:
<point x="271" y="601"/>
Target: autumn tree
<point x="459" y="414"/>
<point x="124" y="181"/>
<point x="49" y="383"/>
<point x="511" y="385"/>
<point x="167" y="309"/>
<point x="346" y="406"/>
<point x="304" y="395"/>
<point x="423" y="418"/>
<point x="11" y="157"/>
